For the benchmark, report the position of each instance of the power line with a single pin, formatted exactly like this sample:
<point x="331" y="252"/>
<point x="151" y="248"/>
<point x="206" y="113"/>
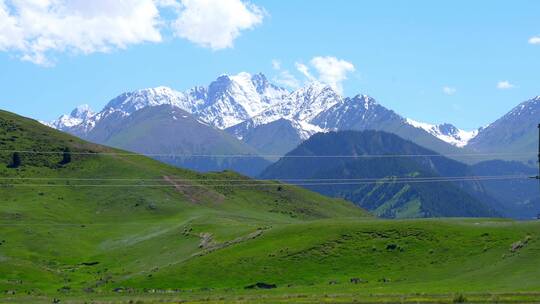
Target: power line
<point x="385" y="181"/>
<point x="267" y="155"/>
<point x="261" y="180"/>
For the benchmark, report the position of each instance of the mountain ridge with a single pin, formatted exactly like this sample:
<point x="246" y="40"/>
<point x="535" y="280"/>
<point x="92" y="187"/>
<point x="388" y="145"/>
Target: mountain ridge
<point x="236" y="103"/>
<point x="515" y="133"/>
<point x="391" y="192"/>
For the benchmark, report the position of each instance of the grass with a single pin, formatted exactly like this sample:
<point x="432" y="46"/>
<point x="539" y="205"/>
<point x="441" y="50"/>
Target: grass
<point x="207" y="243"/>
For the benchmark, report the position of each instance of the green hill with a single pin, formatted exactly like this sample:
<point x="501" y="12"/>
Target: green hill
<point x="93" y="224"/>
<point x="167" y="132"/>
<point x="385" y="195"/>
<point x="56" y="216"/>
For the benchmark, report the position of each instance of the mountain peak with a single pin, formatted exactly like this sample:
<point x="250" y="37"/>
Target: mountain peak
<point x="317" y="85"/>
<point x="261" y="82"/>
<point x="78" y="117"/>
<point x="259" y="76"/>
<point x="534" y="100"/>
<point x="445" y="132"/>
<point x="527" y="108"/>
<point x="368" y="101"/>
<point x="242" y="75"/>
<point x="314" y="89"/>
<point x="128" y="103"/>
<point x="239" y="77"/>
<point x="82" y="111"/>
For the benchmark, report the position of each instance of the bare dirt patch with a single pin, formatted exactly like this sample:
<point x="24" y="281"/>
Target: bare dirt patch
<point x="195" y="193"/>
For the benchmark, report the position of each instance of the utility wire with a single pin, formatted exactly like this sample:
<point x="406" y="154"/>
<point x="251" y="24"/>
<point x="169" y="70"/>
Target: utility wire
<point x="259" y="180"/>
<point x="266" y="155"/>
<point x="385" y="181"/>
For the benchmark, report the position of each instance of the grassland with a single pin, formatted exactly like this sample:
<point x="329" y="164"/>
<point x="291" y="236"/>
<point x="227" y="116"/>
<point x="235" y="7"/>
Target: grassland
<point x="154" y="233"/>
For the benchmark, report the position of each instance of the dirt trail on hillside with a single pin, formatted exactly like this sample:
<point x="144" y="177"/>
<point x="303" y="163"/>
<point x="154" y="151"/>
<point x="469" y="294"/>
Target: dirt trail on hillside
<point x="210" y="246"/>
<point x="195" y="193"/>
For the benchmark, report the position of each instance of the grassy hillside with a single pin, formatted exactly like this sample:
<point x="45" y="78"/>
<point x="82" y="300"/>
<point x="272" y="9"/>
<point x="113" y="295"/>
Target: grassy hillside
<point x="166" y="130"/>
<point x="56" y="216"/>
<point x="203" y="237"/>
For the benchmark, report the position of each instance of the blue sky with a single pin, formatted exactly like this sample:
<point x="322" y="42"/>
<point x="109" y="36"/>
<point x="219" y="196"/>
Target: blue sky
<point x="463" y="62"/>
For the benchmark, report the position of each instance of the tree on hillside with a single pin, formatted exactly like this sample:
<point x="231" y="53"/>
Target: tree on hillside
<point x="66" y="157"/>
<point x="15" y="160"/>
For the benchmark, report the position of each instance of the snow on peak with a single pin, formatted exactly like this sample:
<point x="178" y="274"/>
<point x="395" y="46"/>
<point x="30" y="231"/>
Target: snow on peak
<point x="242" y="77"/>
<point x="302" y="105"/>
<point x="313" y="88"/>
<point x="83" y="111"/>
<point x="251" y="99"/>
<point x="529" y="107"/>
<point x="77" y="117"/>
<point x="446" y="132"/>
<point x="234" y="99"/>
<point x="305" y="129"/>
<point x="368" y="101"/>
<point x="66" y="121"/>
<point x="313" y="99"/>
<point x="227" y="101"/>
<point x="128" y="103"/>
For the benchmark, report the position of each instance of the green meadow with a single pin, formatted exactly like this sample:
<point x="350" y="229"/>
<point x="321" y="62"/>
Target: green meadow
<point x="108" y="226"/>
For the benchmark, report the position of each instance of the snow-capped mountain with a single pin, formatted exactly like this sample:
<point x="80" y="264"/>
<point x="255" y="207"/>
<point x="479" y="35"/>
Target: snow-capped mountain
<point x="227" y="101"/>
<point x="446" y="132"/>
<point x="234" y="99"/>
<point x="515" y="134"/>
<point x="76" y="117"/>
<point x="358" y="113"/>
<point x="78" y="122"/>
<point x="298" y="108"/>
<point x="128" y="103"/>
<point x="259" y="113"/>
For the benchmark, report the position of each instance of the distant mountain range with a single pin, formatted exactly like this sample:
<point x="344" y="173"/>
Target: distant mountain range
<point x="267" y="120"/>
<point x="346" y="164"/>
<point x="398" y="186"/>
<point x="244" y="123"/>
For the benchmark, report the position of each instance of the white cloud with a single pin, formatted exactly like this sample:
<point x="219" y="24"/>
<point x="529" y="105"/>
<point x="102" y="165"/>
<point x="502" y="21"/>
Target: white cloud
<point x="449" y="90"/>
<point x="302" y="68"/>
<point x="505" y="85"/>
<point x="276" y="64"/>
<point x="284" y="77"/>
<point x="329" y="70"/>
<point x="332" y="71"/>
<point x="34" y="28"/>
<point x="215" y="23"/>
<point x="534" y="40"/>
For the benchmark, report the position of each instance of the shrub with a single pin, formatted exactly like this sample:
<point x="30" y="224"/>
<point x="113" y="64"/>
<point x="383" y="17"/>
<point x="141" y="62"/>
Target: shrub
<point x="15" y="160"/>
<point x="459" y="298"/>
<point x="66" y="157"/>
